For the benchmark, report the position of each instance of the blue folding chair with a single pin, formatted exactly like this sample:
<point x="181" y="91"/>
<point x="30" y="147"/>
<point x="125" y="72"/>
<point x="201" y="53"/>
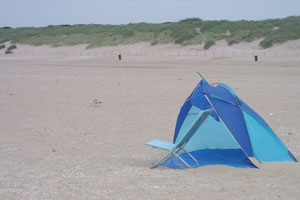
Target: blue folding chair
<point x="177" y="149"/>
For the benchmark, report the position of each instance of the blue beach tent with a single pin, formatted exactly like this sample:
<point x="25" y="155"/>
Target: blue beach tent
<point x="230" y="135"/>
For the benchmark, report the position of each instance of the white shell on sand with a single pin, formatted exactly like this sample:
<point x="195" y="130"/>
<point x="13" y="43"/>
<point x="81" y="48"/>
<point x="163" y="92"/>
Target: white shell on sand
<point x="95" y="101"/>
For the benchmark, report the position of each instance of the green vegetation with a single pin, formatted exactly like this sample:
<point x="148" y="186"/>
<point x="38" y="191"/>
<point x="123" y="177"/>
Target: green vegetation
<point x="232" y="41"/>
<point x="266" y="43"/>
<point x="8" y="51"/>
<point x="2" y="46"/>
<point x="11" y="47"/>
<point x="184" y="32"/>
<point x="208" y="44"/>
<point x="155" y="42"/>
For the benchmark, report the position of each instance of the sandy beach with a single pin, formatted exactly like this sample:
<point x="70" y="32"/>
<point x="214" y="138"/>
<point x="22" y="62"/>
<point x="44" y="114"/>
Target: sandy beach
<point x="55" y="145"/>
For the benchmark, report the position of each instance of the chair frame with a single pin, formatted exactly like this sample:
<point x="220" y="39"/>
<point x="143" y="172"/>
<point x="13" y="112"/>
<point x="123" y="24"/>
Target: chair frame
<point x="176" y="151"/>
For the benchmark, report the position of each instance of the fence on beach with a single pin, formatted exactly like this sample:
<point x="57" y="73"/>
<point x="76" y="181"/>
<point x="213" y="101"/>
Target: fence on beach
<point x="200" y="54"/>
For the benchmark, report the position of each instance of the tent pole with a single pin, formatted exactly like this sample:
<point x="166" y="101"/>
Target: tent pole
<point x="200" y="74"/>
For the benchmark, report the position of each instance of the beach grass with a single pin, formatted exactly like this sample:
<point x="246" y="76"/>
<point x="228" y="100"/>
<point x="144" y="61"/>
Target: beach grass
<point x="185" y="32"/>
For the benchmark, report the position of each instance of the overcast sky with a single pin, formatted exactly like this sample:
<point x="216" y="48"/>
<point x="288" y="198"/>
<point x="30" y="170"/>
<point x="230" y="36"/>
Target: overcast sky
<point x="21" y="13"/>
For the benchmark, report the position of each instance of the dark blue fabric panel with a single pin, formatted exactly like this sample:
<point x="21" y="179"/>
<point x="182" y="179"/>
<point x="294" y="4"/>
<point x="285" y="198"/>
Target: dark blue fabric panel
<point x="199" y="100"/>
<point x="231" y="157"/>
<point x="181" y="116"/>
<point x="220" y="92"/>
<point x="234" y="120"/>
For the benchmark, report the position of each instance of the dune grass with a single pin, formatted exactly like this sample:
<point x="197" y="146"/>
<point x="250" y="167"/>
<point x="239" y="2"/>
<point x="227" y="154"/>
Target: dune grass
<point x="11" y="47"/>
<point x="208" y="44"/>
<point x="185" y="32"/>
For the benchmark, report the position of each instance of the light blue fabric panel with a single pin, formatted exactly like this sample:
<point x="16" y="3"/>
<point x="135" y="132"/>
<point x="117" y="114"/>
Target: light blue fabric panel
<point x="266" y="146"/>
<point x="161" y="144"/>
<point x="211" y="135"/>
<point x="188" y="121"/>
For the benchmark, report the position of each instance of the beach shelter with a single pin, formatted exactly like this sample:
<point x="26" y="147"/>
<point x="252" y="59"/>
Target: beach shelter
<point x="232" y="134"/>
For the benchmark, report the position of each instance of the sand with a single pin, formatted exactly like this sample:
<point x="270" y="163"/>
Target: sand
<point x="55" y="145"/>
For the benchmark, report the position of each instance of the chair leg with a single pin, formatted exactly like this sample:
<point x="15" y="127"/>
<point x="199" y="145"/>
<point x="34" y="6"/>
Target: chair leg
<point x="191" y="156"/>
<point x="168" y="156"/>
<point x="189" y="166"/>
<point x="162" y="160"/>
